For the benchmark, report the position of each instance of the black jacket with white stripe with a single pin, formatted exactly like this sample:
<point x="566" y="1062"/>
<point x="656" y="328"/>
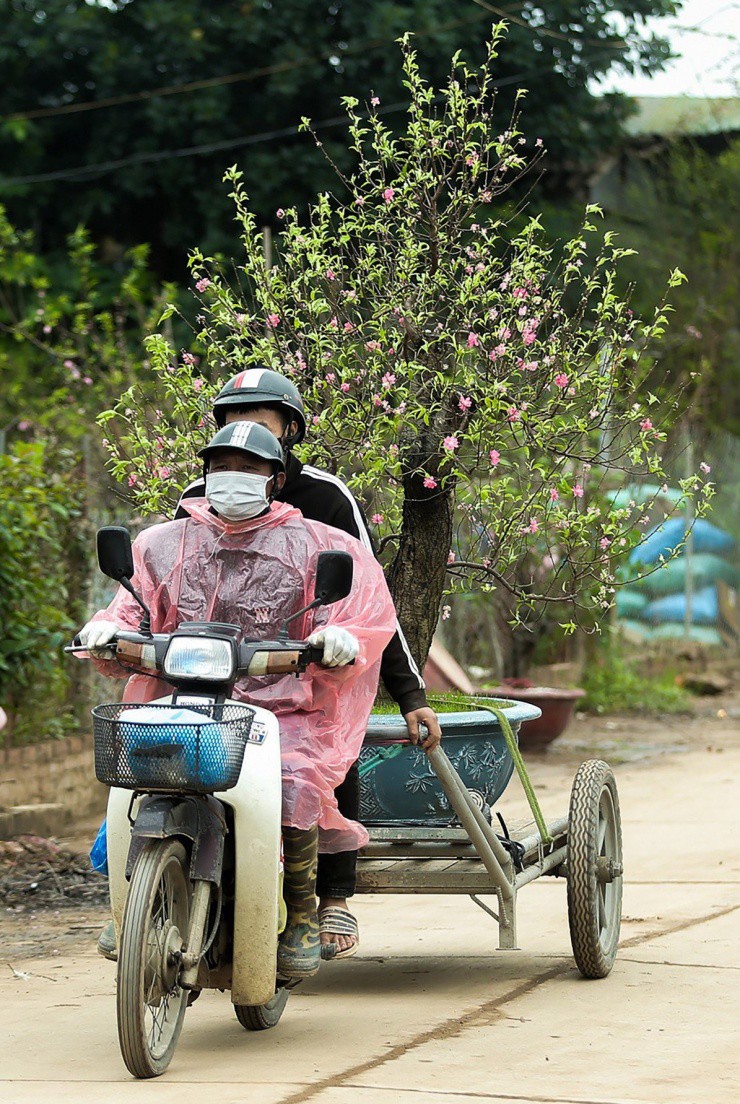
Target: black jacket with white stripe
<point x="322" y="497"/>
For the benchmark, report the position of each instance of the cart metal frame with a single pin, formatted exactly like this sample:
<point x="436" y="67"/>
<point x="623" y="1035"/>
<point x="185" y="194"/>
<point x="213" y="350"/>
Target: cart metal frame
<point x="469" y="860"/>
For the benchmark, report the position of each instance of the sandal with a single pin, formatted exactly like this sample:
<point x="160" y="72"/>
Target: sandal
<point x="338" y="921"/>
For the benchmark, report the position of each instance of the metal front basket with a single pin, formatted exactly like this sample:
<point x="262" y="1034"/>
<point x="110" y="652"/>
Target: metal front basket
<point x="137" y="750"/>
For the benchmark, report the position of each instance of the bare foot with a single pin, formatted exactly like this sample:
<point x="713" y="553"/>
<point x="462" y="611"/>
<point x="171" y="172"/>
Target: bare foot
<point x="343" y="942"/>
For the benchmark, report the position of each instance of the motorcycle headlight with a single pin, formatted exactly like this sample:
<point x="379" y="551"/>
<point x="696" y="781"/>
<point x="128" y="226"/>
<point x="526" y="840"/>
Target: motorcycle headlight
<point x="194" y="657"/>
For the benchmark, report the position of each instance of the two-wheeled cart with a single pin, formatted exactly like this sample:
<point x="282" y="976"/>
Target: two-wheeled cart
<point x="469" y="856"/>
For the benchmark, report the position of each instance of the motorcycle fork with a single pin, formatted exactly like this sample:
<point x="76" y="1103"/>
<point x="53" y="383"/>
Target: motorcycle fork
<point x="196" y="933"/>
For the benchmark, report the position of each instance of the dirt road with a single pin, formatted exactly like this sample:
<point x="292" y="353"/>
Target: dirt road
<point x="430" y="1011"/>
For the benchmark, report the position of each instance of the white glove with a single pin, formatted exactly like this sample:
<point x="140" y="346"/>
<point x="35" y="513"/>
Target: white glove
<point x="97" y="633"/>
<point x="340" y="646"/>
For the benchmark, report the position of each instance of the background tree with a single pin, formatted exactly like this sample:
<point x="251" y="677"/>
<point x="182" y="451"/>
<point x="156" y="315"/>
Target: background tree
<point x="684" y="209"/>
<point x="470" y="385"/>
<point x="121" y="116"/>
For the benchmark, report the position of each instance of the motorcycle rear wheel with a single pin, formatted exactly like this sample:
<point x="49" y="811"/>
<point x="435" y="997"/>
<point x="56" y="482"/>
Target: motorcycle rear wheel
<point x="258" y="1017"/>
<point x="150" y="1004"/>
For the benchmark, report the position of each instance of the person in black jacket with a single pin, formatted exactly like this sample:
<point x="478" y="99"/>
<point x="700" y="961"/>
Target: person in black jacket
<point x="272" y="400"/>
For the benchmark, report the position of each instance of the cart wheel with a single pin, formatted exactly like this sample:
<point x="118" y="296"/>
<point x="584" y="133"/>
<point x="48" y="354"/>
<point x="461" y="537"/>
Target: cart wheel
<point x="258" y="1017"/>
<point x="594" y="868"/>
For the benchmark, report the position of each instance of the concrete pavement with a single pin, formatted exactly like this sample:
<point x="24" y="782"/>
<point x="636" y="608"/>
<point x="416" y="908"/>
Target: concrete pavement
<point x="430" y="1011"/>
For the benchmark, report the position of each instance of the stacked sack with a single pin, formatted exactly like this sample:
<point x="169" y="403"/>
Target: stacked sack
<point x="655" y="607"/>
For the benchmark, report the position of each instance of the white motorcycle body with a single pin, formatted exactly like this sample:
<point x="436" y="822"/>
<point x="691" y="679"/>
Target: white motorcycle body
<point x="256" y="801"/>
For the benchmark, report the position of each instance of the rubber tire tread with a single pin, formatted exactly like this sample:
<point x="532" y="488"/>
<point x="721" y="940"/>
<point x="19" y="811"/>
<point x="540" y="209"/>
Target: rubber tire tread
<point x="583" y="916"/>
<point x="260" y="1017"/>
<point x="136" y="1055"/>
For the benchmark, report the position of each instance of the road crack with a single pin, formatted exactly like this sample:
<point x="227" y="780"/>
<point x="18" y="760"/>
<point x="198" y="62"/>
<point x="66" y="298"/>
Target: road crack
<point x="485" y="1015"/>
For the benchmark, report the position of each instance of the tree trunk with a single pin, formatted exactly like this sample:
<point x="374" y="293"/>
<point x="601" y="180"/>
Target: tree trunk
<point x="417" y="575"/>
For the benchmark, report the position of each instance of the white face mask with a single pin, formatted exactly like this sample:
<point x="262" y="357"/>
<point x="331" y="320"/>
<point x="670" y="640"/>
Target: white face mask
<point x="237" y="496"/>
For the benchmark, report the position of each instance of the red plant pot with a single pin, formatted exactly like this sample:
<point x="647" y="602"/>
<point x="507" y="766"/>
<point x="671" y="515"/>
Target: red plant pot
<point x="557" y="710"/>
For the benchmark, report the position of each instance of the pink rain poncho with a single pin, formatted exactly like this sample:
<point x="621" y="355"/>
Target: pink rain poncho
<point x="255" y="574"/>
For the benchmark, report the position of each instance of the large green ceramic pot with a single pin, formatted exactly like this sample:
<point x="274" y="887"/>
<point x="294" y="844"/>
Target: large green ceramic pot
<point x="398" y="785"/>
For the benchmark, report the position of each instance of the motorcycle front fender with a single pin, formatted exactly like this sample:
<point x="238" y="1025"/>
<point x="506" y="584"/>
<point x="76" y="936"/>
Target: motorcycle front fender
<point x="199" y="822"/>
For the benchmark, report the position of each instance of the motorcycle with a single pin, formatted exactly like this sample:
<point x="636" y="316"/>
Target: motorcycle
<point x="194" y="818"/>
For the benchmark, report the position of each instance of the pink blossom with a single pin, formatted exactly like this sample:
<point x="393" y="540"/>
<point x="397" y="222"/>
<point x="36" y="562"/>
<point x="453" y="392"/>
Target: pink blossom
<point x="561" y="380"/>
<point x="198" y="384"/>
<point x="333" y="323"/>
<point x="372" y="346"/>
<point x="646" y="425"/>
<point x="693" y="332"/>
<point x="23" y="426"/>
<point x="69" y="365"/>
<point x="330" y="274"/>
<point x="393" y="450"/>
<point x="505" y="333"/>
<point x="473" y="340"/>
<point x="522" y="311"/>
<point x="450" y="443"/>
<point x="450" y="557"/>
<point x="388" y="194"/>
<point x="87" y="380"/>
<point x="188" y="358"/>
<point x="578" y="491"/>
<point x="330" y="377"/>
<point x="430" y="483"/>
<point x="47" y="329"/>
<point x="513" y="414"/>
<point x="533" y="527"/>
<point x="164" y="472"/>
<point x="485" y="196"/>
<point x="348" y="327"/>
<point x="554" y="495"/>
<point x="203" y="284"/>
<point x="538" y="142"/>
<point x="377" y="401"/>
<point x="359" y="201"/>
<point x="105" y="442"/>
<point x="273" y="320"/>
<point x="705" y="468"/>
<point x="465" y="403"/>
<point x="472" y="158"/>
<point x="604" y="542"/>
<point x="388" y="380"/>
<point x="520" y="293"/>
<point x="377" y="519"/>
<point x="344" y="388"/>
<point x="315" y="420"/>
<point x="280" y="213"/>
<point x="74" y="372"/>
<point x="133" y="479"/>
<point x="494" y="456"/>
<point x="375" y="101"/>
<point x="446" y="611"/>
<point x="497" y="352"/>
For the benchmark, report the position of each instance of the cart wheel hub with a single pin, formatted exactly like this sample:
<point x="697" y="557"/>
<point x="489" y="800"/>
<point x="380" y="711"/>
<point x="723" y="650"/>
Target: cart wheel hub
<point x="607" y="870"/>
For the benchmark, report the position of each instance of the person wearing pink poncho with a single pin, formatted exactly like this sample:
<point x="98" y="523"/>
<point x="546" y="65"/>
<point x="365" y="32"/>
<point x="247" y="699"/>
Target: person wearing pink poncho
<point x="243" y="559"/>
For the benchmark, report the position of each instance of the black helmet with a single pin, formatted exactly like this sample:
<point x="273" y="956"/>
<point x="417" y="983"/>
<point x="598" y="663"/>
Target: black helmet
<point x="262" y="387"/>
<point x="246" y="437"/>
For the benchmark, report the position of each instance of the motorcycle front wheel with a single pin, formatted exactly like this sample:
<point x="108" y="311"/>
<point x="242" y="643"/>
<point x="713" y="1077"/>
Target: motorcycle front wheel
<point x="150" y="1003"/>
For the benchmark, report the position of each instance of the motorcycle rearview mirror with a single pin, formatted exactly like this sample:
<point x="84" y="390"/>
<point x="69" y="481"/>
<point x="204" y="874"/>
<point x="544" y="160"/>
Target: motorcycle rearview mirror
<point x="334" y="572"/>
<point x="116" y="560"/>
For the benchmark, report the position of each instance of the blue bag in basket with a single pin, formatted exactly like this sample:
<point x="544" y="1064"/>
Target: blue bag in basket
<point x="203" y="755"/>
